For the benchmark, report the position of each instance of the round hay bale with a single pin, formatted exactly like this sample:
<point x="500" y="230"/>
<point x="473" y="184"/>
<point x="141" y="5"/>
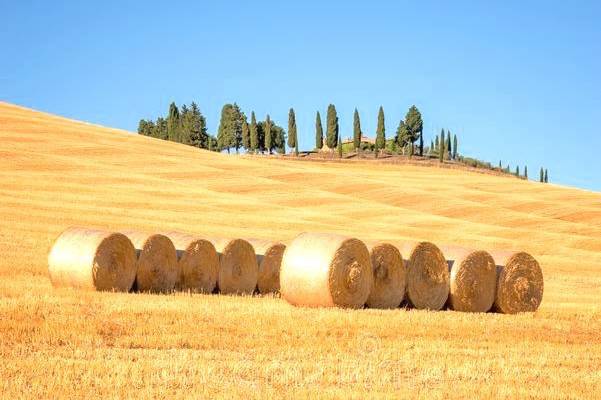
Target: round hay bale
<point x="520" y="283"/>
<point x="473" y="279"/>
<point x="92" y="259"/>
<point x="326" y="270"/>
<point x="157" y="262"/>
<point x="269" y="257"/>
<point x="238" y="268"/>
<point x="427" y="275"/>
<point x="389" y="276"/>
<point x="198" y="263"/>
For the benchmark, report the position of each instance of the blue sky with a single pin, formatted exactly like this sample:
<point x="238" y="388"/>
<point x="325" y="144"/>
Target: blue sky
<point x="516" y="82"/>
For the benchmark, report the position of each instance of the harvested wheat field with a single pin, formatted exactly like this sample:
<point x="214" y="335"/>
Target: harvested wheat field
<point x="61" y="342"/>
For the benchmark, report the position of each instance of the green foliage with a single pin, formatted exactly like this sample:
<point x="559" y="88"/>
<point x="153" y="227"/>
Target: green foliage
<point x="415" y="125"/>
<point x="332" y="127"/>
<point x="455" y="147"/>
<point x="436" y="146"/>
<point x="447" y="146"/>
<point x="254" y="135"/>
<point x="292" y="130"/>
<point x="356" y="130"/>
<point x="381" y="130"/>
<point x="441" y="144"/>
<point x="339" y="146"/>
<point x="526" y="172"/>
<point x="517" y="170"/>
<point x="245" y="133"/>
<point x="269" y="142"/>
<point x="476" y="163"/>
<point x="318" y="132"/>
<point x="173" y="123"/>
<point x="542" y="175"/>
<point x="546" y="176"/>
<point x="226" y="134"/>
<point x="402" y="135"/>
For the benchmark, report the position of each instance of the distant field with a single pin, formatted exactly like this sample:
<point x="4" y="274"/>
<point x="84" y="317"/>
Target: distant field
<point x="57" y="172"/>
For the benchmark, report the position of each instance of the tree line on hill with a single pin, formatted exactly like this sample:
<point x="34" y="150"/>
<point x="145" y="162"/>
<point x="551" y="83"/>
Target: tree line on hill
<point x="188" y="125"/>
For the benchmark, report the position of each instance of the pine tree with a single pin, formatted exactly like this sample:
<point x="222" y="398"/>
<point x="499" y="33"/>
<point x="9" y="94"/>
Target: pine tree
<point x="254" y="136"/>
<point x="357" y="130"/>
<point x="173" y="123"/>
<point x="292" y="131"/>
<point x="245" y="133"/>
<point x="542" y="175"/>
<point x="318" y="132"/>
<point x="526" y="171"/>
<point x="546" y="176"/>
<point x="268" y="138"/>
<point x="380" y="132"/>
<point x="332" y="127"/>
<point x="454" y="147"/>
<point x="339" y="146"/>
<point x="415" y="125"/>
<point x="441" y="147"/>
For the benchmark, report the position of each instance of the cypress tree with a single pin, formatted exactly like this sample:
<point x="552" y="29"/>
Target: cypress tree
<point x="380" y="132"/>
<point x="441" y="147"/>
<point x="517" y="170"/>
<point x="339" y="146"/>
<point x="436" y="145"/>
<point x="542" y="175"/>
<point x="526" y="171"/>
<point x="236" y="123"/>
<point x="198" y="128"/>
<point x="500" y="166"/>
<point x="318" y="132"/>
<point x="254" y="135"/>
<point x="454" y="147"/>
<point x="173" y="123"/>
<point x="292" y="131"/>
<point x="332" y="127"/>
<point x="245" y="133"/>
<point x="268" y="138"/>
<point x="402" y="134"/>
<point x="431" y="149"/>
<point x="161" y="131"/>
<point x="356" y="130"/>
<point x="448" y="145"/>
<point x="226" y="131"/>
<point x="546" y="176"/>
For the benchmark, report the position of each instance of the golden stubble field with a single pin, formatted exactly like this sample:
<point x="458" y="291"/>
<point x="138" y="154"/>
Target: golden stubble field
<point x="63" y="343"/>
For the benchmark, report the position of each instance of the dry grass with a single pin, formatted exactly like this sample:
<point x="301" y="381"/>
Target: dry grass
<point x="66" y="343"/>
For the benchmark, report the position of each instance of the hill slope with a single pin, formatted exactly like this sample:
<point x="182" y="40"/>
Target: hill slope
<point x="58" y="172"/>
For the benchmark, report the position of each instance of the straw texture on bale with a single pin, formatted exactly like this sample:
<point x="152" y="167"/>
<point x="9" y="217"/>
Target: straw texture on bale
<point x="238" y="268"/>
<point x="473" y="279"/>
<point x="389" y="276"/>
<point x="198" y="263"/>
<point x="519" y="283"/>
<point x="92" y="259"/>
<point x="157" y="262"/>
<point x="326" y="270"/>
<point x="427" y="275"/>
<point x="269" y="257"/>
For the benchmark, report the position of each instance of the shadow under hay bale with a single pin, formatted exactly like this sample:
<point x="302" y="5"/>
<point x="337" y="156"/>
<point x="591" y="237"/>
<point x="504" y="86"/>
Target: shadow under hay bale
<point x="238" y="268"/>
<point x="269" y="258"/>
<point x="92" y="259"/>
<point x="198" y="263"/>
<point x="427" y="275"/>
<point x="157" y="262"/>
<point x="520" y="283"/>
<point x="326" y="270"/>
<point x="389" y="276"/>
<point x="473" y="279"/>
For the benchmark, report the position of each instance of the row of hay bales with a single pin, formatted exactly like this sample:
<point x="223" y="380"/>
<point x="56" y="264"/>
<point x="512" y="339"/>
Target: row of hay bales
<point x="314" y="270"/>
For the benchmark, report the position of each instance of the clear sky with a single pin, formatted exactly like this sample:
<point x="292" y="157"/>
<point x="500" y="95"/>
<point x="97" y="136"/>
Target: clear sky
<point x="516" y="81"/>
